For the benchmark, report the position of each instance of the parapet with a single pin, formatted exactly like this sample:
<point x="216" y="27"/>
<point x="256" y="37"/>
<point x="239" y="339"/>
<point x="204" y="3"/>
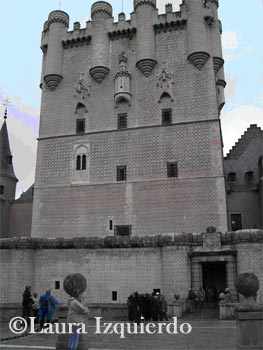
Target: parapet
<point x="101" y="9"/>
<point x="136" y="3"/>
<point x="58" y="17"/>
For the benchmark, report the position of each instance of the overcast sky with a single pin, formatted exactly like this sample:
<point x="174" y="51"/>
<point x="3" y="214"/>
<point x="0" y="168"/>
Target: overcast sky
<point x="21" y="24"/>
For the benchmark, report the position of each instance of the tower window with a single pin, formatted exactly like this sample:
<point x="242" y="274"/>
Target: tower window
<point x="172" y="169"/>
<point x="166" y="116"/>
<point x="110" y="225"/>
<point x="78" y="165"/>
<point x="114" y="295"/>
<point x="81" y="162"/>
<point x="2" y="189"/>
<point x="57" y="285"/>
<point x="121" y="173"/>
<point x="80" y="126"/>
<point x="249" y="176"/>
<point x="10" y="160"/>
<point x="122" y="230"/>
<point x="232" y="177"/>
<point x="122" y="121"/>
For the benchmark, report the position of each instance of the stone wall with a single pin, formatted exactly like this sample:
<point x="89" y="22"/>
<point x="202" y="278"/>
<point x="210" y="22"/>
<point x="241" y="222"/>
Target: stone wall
<point x="83" y="202"/>
<point x="111" y="264"/>
<point x="20" y="220"/>
<point x="122" y="270"/>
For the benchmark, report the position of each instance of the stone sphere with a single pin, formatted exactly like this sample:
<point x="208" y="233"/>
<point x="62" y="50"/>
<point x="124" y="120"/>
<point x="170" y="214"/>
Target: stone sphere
<point x="247" y="285"/>
<point x="75" y="284"/>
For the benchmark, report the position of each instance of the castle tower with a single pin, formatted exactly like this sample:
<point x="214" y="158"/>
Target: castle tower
<point x="8" y="179"/>
<point x="55" y="27"/>
<point x="130" y="139"/>
<point x="145" y="17"/>
<point x="101" y="14"/>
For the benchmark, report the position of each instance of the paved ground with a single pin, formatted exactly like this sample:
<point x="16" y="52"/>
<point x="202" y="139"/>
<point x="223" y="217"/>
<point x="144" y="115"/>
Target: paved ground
<point x="206" y="335"/>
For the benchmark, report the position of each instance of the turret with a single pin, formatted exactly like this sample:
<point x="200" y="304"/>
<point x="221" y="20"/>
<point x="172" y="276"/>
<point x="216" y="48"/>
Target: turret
<point x="55" y="27"/>
<point x="101" y="11"/>
<point x="216" y="30"/>
<point x="145" y="11"/>
<point x="197" y="33"/>
<point x="8" y="179"/>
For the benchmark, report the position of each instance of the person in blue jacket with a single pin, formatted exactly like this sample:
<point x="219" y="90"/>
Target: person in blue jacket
<point x="47" y="308"/>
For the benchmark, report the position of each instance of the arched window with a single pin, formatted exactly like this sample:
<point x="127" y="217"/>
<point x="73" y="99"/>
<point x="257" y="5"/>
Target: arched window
<point x="81" y="109"/>
<point x="81" y="158"/>
<point x="78" y="163"/>
<point x="84" y="162"/>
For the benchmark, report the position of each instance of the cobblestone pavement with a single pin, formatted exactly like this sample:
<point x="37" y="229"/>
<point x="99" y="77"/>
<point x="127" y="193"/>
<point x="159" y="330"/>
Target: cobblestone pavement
<point x="206" y="335"/>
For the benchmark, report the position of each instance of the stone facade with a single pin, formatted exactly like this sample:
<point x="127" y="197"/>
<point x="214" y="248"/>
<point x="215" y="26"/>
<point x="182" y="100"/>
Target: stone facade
<point x="243" y="170"/>
<point x="169" y="265"/>
<point x="130" y="140"/>
<point x="142" y="68"/>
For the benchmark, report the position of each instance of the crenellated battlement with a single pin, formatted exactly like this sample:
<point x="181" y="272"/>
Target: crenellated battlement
<point x="198" y="20"/>
<point x="57" y="16"/>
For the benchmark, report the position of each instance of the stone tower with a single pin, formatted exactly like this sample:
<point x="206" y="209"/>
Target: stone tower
<point x="8" y="180"/>
<point x="130" y="139"/>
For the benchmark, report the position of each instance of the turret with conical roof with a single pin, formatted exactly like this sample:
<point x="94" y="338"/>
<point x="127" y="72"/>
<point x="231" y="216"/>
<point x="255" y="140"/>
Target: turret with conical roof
<point x="8" y="179"/>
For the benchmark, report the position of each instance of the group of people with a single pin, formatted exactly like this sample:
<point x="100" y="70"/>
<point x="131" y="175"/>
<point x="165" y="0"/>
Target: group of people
<point x="148" y="307"/>
<point x="211" y="295"/>
<point x="43" y="308"/>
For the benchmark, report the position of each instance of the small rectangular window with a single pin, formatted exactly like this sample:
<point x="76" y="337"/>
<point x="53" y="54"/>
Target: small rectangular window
<point x="166" y="116"/>
<point x="57" y="285"/>
<point x="110" y="225"/>
<point x="172" y="169"/>
<point x="236" y="222"/>
<point x="10" y="160"/>
<point x="156" y="291"/>
<point x="121" y="173"/>
<point x="2" y="189"/>
<point x="122" y="230"/>
<point x="80" y="126"/>
<point x="122" y="121"/>
<point x="114" y="295"/>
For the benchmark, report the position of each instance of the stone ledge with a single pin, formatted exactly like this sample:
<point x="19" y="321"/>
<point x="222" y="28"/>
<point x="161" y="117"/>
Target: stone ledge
<point x="111" y="242"/>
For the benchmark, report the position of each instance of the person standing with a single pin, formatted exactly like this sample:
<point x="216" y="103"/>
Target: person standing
<point x="27" y="303"/>
<point x="47" y="307"/>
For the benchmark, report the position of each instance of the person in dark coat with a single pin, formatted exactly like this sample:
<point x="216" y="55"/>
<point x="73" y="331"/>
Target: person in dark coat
<point x="27" y="303"/>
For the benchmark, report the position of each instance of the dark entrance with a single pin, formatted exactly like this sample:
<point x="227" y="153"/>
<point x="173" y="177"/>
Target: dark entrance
<point x="214" y="280"/>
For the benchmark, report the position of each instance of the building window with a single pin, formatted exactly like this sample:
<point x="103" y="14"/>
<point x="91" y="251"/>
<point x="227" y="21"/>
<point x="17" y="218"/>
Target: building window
<point x="2" y="189"/>
<point x="122" y="230"/>
<point x="156" y="291"/>
<point x="249" y="176"/>
<point x="81" y="162"/>
<point x="114" y="295"/>
<point x="232" y="177"/>
<point x="80" y="126"/>
<point x="57" y="285"/>
<point x="121" y="173"/>
<point x="122" y="121"/>
<point x="110" y="225"/>
<point x="166" y="116"/>
<point x="172" y="169"/>
<point x="236" y="222"/>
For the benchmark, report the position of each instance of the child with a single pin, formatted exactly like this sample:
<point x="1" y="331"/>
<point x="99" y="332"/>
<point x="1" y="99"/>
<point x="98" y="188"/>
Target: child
<point x="75" y="285"/>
